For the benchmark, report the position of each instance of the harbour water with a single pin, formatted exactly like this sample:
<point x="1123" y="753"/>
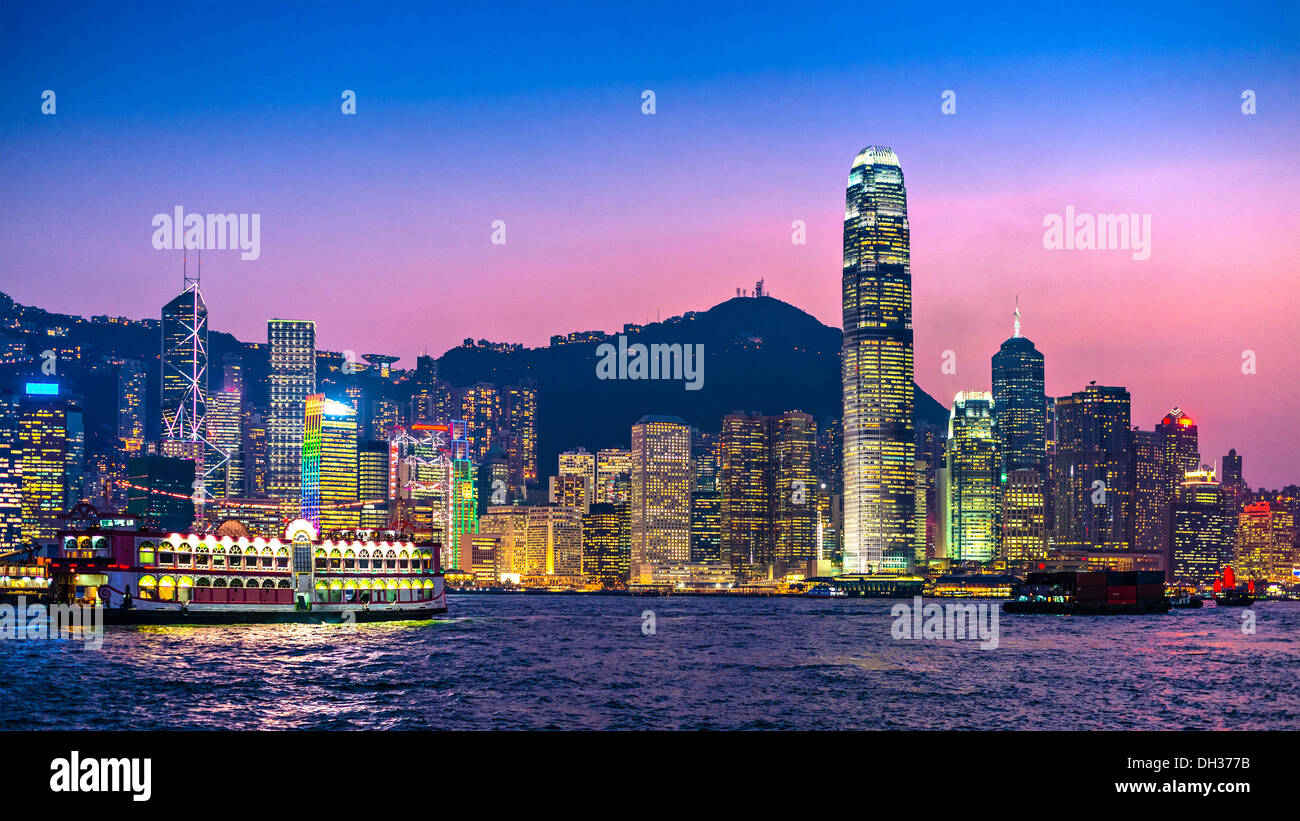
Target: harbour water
<point x="590" y="662"/>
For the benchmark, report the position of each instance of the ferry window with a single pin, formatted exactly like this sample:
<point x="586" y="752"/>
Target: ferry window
<point x="268" y="583"/>
<point x="282" y="562"/>
<point x="184" y="559"/>
<point x="204" y="581"/>
<point x="236" y="557"/>
<point x="166" y="557"/>
<point x="283" y="584"/>
<point x="218" y="582"/>
<point x="100" y="543"/>
<point x="202" y="557"/>
<point x="237" y="584"/>
<point x="322" y="592"/>
<point x="336" y="559"/>
<point x="219" y="557"/>
<point x="363" y="560"/>
<point x="148" y="587"/>
<point x="390" y="559"/>
<point x="167" y="588"/>
<point x="147" y="554"/>
<point x="349" y="560"/>
<point x="69" y="544"/>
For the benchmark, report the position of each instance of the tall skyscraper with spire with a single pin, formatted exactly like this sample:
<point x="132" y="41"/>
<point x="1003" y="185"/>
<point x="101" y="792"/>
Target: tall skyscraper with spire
<point x="879" y="451"/>
<point x="1019" y="397"/>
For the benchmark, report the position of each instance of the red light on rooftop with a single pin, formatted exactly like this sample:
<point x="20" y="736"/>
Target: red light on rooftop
<point x="1185" y="422"/>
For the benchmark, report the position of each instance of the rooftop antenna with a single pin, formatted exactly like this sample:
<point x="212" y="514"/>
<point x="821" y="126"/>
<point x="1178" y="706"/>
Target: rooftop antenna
<point x="1015" y="328"/>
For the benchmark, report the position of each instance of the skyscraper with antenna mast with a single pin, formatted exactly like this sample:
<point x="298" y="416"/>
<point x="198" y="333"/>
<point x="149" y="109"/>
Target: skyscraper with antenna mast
<point x="184" y="389"/>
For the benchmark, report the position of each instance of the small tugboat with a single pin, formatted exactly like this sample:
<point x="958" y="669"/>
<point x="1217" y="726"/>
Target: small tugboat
<point x="143" y="577"/>
<point x="1189" y="601"/>
<point x="1227" y="593"/>
<point x="1102" y="593"/>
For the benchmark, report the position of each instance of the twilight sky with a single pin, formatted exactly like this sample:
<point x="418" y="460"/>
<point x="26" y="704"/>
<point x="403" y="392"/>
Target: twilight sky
<point x="378" y="225"/>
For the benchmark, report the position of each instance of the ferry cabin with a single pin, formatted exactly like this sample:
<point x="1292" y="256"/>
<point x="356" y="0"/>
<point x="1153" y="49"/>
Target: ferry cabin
<point x="300" y="572"/>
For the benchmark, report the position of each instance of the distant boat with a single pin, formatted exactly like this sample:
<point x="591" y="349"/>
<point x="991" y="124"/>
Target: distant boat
<point x="1227" y="593"/>
<point x="1187" y="601"/>
<point x="826" y="591"/>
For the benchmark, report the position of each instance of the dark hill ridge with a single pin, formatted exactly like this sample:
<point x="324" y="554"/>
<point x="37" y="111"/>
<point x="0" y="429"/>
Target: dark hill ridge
<point x="760" y="354"/>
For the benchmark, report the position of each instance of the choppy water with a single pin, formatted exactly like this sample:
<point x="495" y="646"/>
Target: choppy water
<point x="575" y="662"/>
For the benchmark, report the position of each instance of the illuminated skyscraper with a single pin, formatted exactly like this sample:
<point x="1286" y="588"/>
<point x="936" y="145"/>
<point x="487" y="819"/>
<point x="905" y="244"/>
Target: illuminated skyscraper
<point x="11" y="474"/>
<point x="1024" y="517"/>
<point x="614" y="476"/>
<point x="225" y="433"/>
<point x="1018" y="398"/>
<point x="554" y="541"/>
<point x="257" y="458"/>
<point x="580" y="463"/>
<point x="1202" y="535"/>
<point x="130" y="405"/>
<point x="973" y="475"/>
<point x="372" y="484"/>
<point x="706" y="526"/>
<point x="1149" y="494"/>
<point x="521" y="420"/>
<point x="310" y="470"/>
<point x="1092" y="493"/>
<point x="661" y="490"/>
<point x="1179" y="455"/>
<point x="510" y="524"/>
<point x="570" y="490"/>
<point x="607" y="545"/>
<point x="748" y="537"/>
<point x="338" y="468"/>
<point x="1265" y="544"/>
<point x="48" y="426"/>
<point x="879" y="446"/>
<point x="292" y="380"/>
<point x="481" y="410"/>
<point x="184" y="389"/>
<point x="795" y="489"/>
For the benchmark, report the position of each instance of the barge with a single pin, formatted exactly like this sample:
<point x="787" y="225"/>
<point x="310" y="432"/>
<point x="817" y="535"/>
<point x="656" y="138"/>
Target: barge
<point x="1101" y="593"/>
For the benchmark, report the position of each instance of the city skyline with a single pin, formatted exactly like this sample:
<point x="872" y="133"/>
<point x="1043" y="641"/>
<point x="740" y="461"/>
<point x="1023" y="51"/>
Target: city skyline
<point x="357" y="199"/>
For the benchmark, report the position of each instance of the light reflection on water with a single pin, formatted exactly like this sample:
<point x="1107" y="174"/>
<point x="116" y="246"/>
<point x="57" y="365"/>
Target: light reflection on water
<point x="583" y="662"/>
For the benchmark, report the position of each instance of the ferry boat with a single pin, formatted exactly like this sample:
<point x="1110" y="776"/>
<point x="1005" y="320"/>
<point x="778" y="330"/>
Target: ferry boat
<point x="146" y="577"/>
<point x="826" y="591"/>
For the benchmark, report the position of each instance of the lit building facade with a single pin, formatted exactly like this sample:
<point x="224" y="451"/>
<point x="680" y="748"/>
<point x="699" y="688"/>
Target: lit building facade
<point x="795" y="490"/>
<point x="607" y="545"/>
<point x="1024" y="517"/>
<point x="1265" y="543"/>
<point x="614" y="476"/>
<point x="748" y="537"/>
<point x="661" y="493"/>
<point x="1092" y="492"/>
<point x="973" y="475"/>
<point x="292" y="379"/>
<point x="226" y="433"/>
<point x="879" y="470"/>
<point x="1202" y="534"/>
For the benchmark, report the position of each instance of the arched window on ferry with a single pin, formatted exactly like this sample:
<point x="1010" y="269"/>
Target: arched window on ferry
<point x="218" y="557"/>
<point x="391" y="584"/>
<point x="235" y="558"/>
<point x="336" y="559"/>
<point x="183" y="585"/>
<point x="428" y="588"/>
<point x="268" y="584"/>
<point x="349" y="559"/>
<point x="166" y="554"/>
<point x="99" y="544"/>
<point x="283" y="584"/>
<point x="203" y="581"/>
<point x="268" y="558"/>
<point x="184" y="555"/>
<point x="322" y="593"/>
<point x="167" y="588"/>
<point x="250" y="558"/>
<point x="83" y="544"/>
<point x="202" y="555"/>
<point x="219" y="582"/>
<point x="69" y="545"/>
<point x="349" y="591"/>
<point x="237" y="584"/>
<point x="390" y="560"/>
<point x="147" y="553"/>
<point x="404" y="561"/>
<point x="281" y="558"/>
<point x="336" y="591"/>
<point x="363" y="560"/>
<point x="426" y="561"/>
<point x="148" y="586"/>
<point x="321" y="558"/>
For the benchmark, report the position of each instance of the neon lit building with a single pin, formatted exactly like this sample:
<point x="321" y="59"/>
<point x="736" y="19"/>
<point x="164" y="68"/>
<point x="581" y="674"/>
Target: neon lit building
<point x="338" y="476"/>
<point x="11" y="474"/>
<point x="310" y="469"/>
<point x="879" y="447"/>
